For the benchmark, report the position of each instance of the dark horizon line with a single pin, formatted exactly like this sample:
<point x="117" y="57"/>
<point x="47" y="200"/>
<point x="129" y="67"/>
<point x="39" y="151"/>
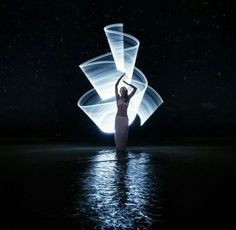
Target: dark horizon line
<point x="174" y="140"/>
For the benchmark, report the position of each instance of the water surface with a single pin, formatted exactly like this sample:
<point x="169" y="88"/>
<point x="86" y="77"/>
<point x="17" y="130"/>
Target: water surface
<point x="71" y="187"/>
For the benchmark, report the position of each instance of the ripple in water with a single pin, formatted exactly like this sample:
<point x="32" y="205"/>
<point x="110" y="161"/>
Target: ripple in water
<point x="118" y="190"/>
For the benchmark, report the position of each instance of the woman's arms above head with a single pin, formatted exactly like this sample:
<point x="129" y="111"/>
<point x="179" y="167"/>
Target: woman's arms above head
<point x="133" y="91"/>
<point x="118" y="81"/>
<point x="116" y="85"/>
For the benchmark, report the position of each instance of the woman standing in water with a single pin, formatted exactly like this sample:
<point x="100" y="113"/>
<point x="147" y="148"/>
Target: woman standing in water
<point x="122" y="121"/>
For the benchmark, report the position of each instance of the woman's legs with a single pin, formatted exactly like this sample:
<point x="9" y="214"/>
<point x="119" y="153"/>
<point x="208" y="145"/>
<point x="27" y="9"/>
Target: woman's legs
<point x="121" y="132"/>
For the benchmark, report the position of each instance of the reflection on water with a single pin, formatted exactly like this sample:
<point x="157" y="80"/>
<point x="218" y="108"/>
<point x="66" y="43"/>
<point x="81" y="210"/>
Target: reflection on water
<point x="118" y="190"/>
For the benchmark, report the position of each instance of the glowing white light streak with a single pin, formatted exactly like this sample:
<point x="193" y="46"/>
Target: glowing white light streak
<point x="104" y="71"/>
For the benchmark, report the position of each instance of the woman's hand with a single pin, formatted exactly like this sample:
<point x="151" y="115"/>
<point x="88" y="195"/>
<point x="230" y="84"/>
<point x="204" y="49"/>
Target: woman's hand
<point x="122" y="75"/>
<point x="134" y="89"/>
<point x="129" y="84"/>
<point x="120" y="79"/>
<point x="126" y="82"/>
<point x="116" y="86"/>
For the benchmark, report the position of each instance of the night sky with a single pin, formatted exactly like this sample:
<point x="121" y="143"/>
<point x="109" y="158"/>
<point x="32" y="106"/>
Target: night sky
<point x="187" y="52"/>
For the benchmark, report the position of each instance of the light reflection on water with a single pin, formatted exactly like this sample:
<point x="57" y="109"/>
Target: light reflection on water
<point x="119" y="190"/>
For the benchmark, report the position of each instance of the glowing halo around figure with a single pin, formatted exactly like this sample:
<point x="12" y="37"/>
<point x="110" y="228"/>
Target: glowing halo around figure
<point x="103" y="72"/>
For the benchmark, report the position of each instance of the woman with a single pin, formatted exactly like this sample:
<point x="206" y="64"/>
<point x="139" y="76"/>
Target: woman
<point x="121" y="121"/>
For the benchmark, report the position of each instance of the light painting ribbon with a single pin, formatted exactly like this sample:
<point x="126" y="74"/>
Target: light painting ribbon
<point x="103" y="72"/>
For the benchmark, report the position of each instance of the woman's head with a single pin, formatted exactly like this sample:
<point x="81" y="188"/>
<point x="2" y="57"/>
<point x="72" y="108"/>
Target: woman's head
<point x="123" y="91"/>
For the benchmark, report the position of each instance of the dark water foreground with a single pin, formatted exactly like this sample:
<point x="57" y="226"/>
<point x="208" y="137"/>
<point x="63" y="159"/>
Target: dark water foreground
<point x="73" y="187"/>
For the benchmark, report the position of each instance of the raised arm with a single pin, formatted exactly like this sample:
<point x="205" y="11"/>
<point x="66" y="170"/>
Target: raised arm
<point x="116" y="86"/>
<point x="133" y="91"/>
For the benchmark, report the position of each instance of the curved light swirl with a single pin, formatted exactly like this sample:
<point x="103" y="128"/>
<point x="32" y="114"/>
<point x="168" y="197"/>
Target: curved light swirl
<point x="103" y="72"/>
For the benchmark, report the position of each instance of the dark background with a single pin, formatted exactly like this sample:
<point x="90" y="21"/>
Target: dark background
<point x="187" y="52"/>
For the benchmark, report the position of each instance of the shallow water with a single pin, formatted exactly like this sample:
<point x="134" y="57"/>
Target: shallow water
<point x="71" y="187"/>
<point x="119" y="190"/>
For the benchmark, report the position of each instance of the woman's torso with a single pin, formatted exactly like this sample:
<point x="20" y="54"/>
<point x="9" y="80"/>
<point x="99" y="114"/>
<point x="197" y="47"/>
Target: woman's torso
<point x="122" y="107"/>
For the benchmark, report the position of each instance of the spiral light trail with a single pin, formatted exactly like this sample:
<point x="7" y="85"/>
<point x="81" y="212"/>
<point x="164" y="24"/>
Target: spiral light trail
<point x="103" y="72"/>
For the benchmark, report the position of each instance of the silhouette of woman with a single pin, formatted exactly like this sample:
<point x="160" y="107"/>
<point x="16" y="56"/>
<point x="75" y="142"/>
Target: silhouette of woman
<point x="121" y="120"/>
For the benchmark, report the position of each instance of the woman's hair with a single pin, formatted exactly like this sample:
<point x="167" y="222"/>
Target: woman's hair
<point x="126" y="94"/>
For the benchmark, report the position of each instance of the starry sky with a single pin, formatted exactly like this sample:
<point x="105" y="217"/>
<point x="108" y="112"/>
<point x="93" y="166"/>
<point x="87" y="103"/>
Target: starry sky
<point x="187" y="52"/>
